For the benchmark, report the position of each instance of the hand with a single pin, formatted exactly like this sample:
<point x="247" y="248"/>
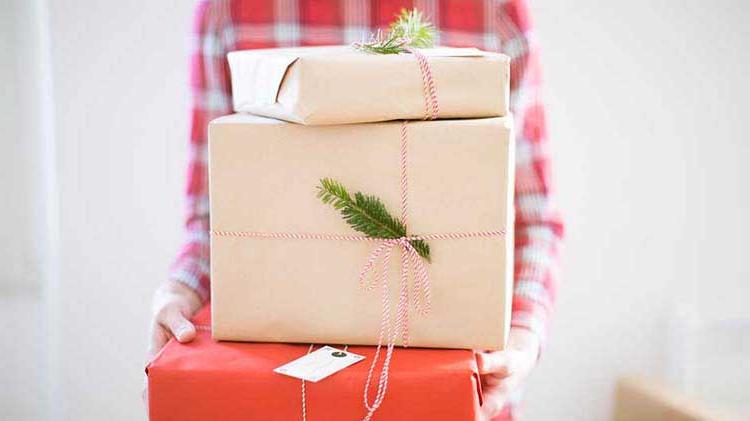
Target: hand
<point x="503" y="371"/>
<point x="174" y="304"/>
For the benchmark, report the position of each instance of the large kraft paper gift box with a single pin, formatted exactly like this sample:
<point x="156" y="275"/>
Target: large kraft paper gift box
<point x="340" y="84"/>
<point x="232" y="381"/>
<point x="263" y="176"/>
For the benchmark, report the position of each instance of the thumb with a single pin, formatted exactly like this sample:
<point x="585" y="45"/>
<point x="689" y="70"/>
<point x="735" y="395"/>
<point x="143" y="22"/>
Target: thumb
<point x="493" y="363"/>
<point x="182" y="329"/>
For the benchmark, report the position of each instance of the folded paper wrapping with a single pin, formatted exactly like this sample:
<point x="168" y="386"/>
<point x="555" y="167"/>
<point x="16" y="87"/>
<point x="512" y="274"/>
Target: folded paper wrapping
<point x="338" y="85"/>
<point x="208" y="380"/>
<point x="263" y="176"/>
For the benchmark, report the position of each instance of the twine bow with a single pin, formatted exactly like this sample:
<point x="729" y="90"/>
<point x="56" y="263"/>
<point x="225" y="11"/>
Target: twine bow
<point x="410" y="260"/>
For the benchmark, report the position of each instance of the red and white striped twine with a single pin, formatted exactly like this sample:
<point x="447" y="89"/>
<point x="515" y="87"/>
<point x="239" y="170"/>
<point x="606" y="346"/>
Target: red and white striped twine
<point x="432" y="106"/>
<point x="343" y="237"/>
<point x="412" y="265"/>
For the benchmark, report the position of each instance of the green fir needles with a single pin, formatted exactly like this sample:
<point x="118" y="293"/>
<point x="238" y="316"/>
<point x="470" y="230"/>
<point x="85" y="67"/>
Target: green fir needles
<point x="409" y="30"/>
<point x="366" y="214"/>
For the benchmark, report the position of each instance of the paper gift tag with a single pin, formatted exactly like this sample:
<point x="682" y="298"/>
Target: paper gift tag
<point x="319" y="364"/>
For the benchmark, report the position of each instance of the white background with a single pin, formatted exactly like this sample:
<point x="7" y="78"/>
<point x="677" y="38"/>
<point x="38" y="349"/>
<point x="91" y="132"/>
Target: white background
<point x="647" y="106"/>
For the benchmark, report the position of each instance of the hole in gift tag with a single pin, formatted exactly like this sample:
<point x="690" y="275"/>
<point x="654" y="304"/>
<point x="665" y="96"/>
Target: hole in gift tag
<point x="319" y="364"/>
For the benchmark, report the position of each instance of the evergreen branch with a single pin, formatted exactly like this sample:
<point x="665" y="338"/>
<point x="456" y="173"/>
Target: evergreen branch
<point x="407" y="31"/>
<point x="366" y="214"/>
<point x="410" y="26"/>
<point x="422" y="248"/>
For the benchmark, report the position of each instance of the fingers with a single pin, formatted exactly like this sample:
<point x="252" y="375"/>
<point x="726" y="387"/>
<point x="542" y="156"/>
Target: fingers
<point x="177" y="324"/>
<point x="494" y="400"/>
<point x="497" y="392"/>
<point x="173" y="304"/>
<point x="144" y="393"/>
<point x="159" y="338"/>
<point x="169" y="323"/>
<point x="502" y="373"/>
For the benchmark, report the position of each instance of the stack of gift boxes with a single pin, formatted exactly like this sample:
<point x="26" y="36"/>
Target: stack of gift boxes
<point x="361" y="201"/>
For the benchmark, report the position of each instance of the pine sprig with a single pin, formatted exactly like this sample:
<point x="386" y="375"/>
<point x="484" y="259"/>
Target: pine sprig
<point x="366" y="214"/>
<point x="409" y="30"/>
<point x="410" y="26"/>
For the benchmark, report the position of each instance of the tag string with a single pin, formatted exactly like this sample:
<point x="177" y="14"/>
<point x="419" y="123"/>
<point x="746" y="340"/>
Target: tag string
<point x="304" y="392"/>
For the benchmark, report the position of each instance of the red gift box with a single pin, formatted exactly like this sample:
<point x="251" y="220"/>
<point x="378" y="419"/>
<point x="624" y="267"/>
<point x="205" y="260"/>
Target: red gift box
<point x="210" y="380"/>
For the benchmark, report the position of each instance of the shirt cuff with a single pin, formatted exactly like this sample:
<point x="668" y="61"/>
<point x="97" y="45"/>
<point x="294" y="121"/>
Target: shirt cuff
<point x="192" y="274"/>
<point x="531" y="316"/>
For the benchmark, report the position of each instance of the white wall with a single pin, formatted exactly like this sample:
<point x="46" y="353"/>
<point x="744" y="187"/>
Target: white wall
<point x="24" y="208"/>
<point x="646" y="106"/>
<point x="120" y="86"/>
<point x="19" y="259"/>
<point x="646" y="103"/>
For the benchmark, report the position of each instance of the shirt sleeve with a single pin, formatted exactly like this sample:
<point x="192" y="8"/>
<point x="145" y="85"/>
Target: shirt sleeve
<point x="538" y="225"/>
<point x="211" y="98"/>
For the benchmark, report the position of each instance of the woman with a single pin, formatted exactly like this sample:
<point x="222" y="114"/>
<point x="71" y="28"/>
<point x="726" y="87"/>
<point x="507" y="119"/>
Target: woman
<point x="226" y="25"/>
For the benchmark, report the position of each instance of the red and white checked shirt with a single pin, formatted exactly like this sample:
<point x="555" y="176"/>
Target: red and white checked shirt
<point x="225" y="25"/>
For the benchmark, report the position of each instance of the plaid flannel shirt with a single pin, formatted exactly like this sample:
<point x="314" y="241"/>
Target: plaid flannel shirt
<point x="221" y="26"/>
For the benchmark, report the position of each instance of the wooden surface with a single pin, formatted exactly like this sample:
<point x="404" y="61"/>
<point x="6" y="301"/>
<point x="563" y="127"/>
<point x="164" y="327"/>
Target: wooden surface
<point x="643" y="399"/>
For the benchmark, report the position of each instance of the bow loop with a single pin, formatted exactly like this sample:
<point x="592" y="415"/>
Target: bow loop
<point x="413" y="267"/>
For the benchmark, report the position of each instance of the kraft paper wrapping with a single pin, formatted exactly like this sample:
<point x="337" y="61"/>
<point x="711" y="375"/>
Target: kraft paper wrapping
<point x="263" y="178"/>
<point x="338" y="85"/>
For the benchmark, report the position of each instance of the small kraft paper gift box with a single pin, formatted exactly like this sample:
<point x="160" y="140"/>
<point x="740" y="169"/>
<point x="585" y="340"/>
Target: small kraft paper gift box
<point x="290" y="263"/>
<point x="232" y="381"/>
<point x="340" y="84"/>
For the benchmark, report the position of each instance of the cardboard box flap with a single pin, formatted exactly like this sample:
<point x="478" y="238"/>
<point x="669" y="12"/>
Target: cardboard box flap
<point x="266" y="70"/>
<point x="260" y="76"/>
